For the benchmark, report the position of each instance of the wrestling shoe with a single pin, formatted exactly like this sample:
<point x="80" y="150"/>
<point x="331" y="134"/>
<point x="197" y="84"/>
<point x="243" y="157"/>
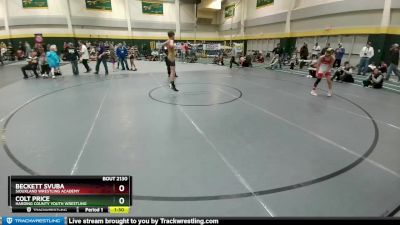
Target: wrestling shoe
<point x="172" y="86"/>
<point x="314" y="93"/>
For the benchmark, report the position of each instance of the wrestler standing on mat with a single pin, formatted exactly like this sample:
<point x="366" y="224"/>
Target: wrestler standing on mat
<point x="324" y="66"/>
<point x="171" y="58"/>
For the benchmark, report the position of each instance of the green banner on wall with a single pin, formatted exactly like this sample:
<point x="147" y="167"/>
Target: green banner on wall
<point x="262" y="3"/>
<point x="34" y="4"/>
<point x="99" y="5"/>
<point x="230" y="11"/>
<point x="155" y="8"/>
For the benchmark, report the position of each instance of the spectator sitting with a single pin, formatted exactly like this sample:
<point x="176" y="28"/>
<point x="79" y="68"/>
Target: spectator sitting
<point x="32" y="65"/>
<point x="375" y="80"/>
<point x="154" y="55"/>
<point x="344" y="74"/>
<point x="274" y="62"/>
<point x="245" y="61"/>
<point x="241" y="60"/>
<point x="383" y="67"/>
<point x="294" y="60"/>
<point x="219" y="60"/>
<point x="371" y="68"/>
<point x="191" y="59"/>
<point x="44" y="66"/>
<point x="260" y="58"/>
<point x="216" y="59"/>
<point x="162" y="54"/>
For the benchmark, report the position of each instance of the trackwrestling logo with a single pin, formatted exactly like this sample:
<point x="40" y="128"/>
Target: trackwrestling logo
<point x="33" y="220"/>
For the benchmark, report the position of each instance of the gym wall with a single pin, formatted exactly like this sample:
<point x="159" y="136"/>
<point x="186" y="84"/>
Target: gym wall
<point x="395" y="18"/>
<point x="308" y="3"/>
<point x="352" y="22"/>
<point x="52" y="22"/>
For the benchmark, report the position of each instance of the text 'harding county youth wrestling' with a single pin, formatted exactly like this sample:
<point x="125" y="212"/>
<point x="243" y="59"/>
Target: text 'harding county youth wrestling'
<point x="138" y="221"/>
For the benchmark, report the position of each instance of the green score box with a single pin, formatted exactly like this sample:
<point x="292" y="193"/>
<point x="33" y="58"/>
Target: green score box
<point x="70" y="200"/>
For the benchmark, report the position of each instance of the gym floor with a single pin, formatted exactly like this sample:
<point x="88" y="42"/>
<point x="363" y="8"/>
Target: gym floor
<point x="233" y="142"/>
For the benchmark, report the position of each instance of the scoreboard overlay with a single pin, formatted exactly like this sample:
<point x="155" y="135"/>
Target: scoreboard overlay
<point x="75" y="194"/>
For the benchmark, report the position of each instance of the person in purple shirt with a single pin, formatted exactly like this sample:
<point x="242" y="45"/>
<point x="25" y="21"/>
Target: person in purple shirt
<point x="339" y="53"/>
<point x="101" y="58"/>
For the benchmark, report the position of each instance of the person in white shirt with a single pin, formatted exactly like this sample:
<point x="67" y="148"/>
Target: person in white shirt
<point x="366" y="54"/>
<point x="315" y="51"/>
<point x="2" y="52"/>
<point x="84" y="56"/>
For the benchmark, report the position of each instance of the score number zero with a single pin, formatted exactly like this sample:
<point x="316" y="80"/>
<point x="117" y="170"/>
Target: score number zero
<point x="121" y="187"/>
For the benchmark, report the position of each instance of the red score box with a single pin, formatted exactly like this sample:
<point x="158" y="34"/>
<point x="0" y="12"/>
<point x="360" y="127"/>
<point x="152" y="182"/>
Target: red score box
<point x="80" y="185"/>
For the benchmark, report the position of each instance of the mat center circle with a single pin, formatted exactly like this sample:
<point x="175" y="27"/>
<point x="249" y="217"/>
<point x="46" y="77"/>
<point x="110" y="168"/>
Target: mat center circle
<point x="196" y="94"/>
